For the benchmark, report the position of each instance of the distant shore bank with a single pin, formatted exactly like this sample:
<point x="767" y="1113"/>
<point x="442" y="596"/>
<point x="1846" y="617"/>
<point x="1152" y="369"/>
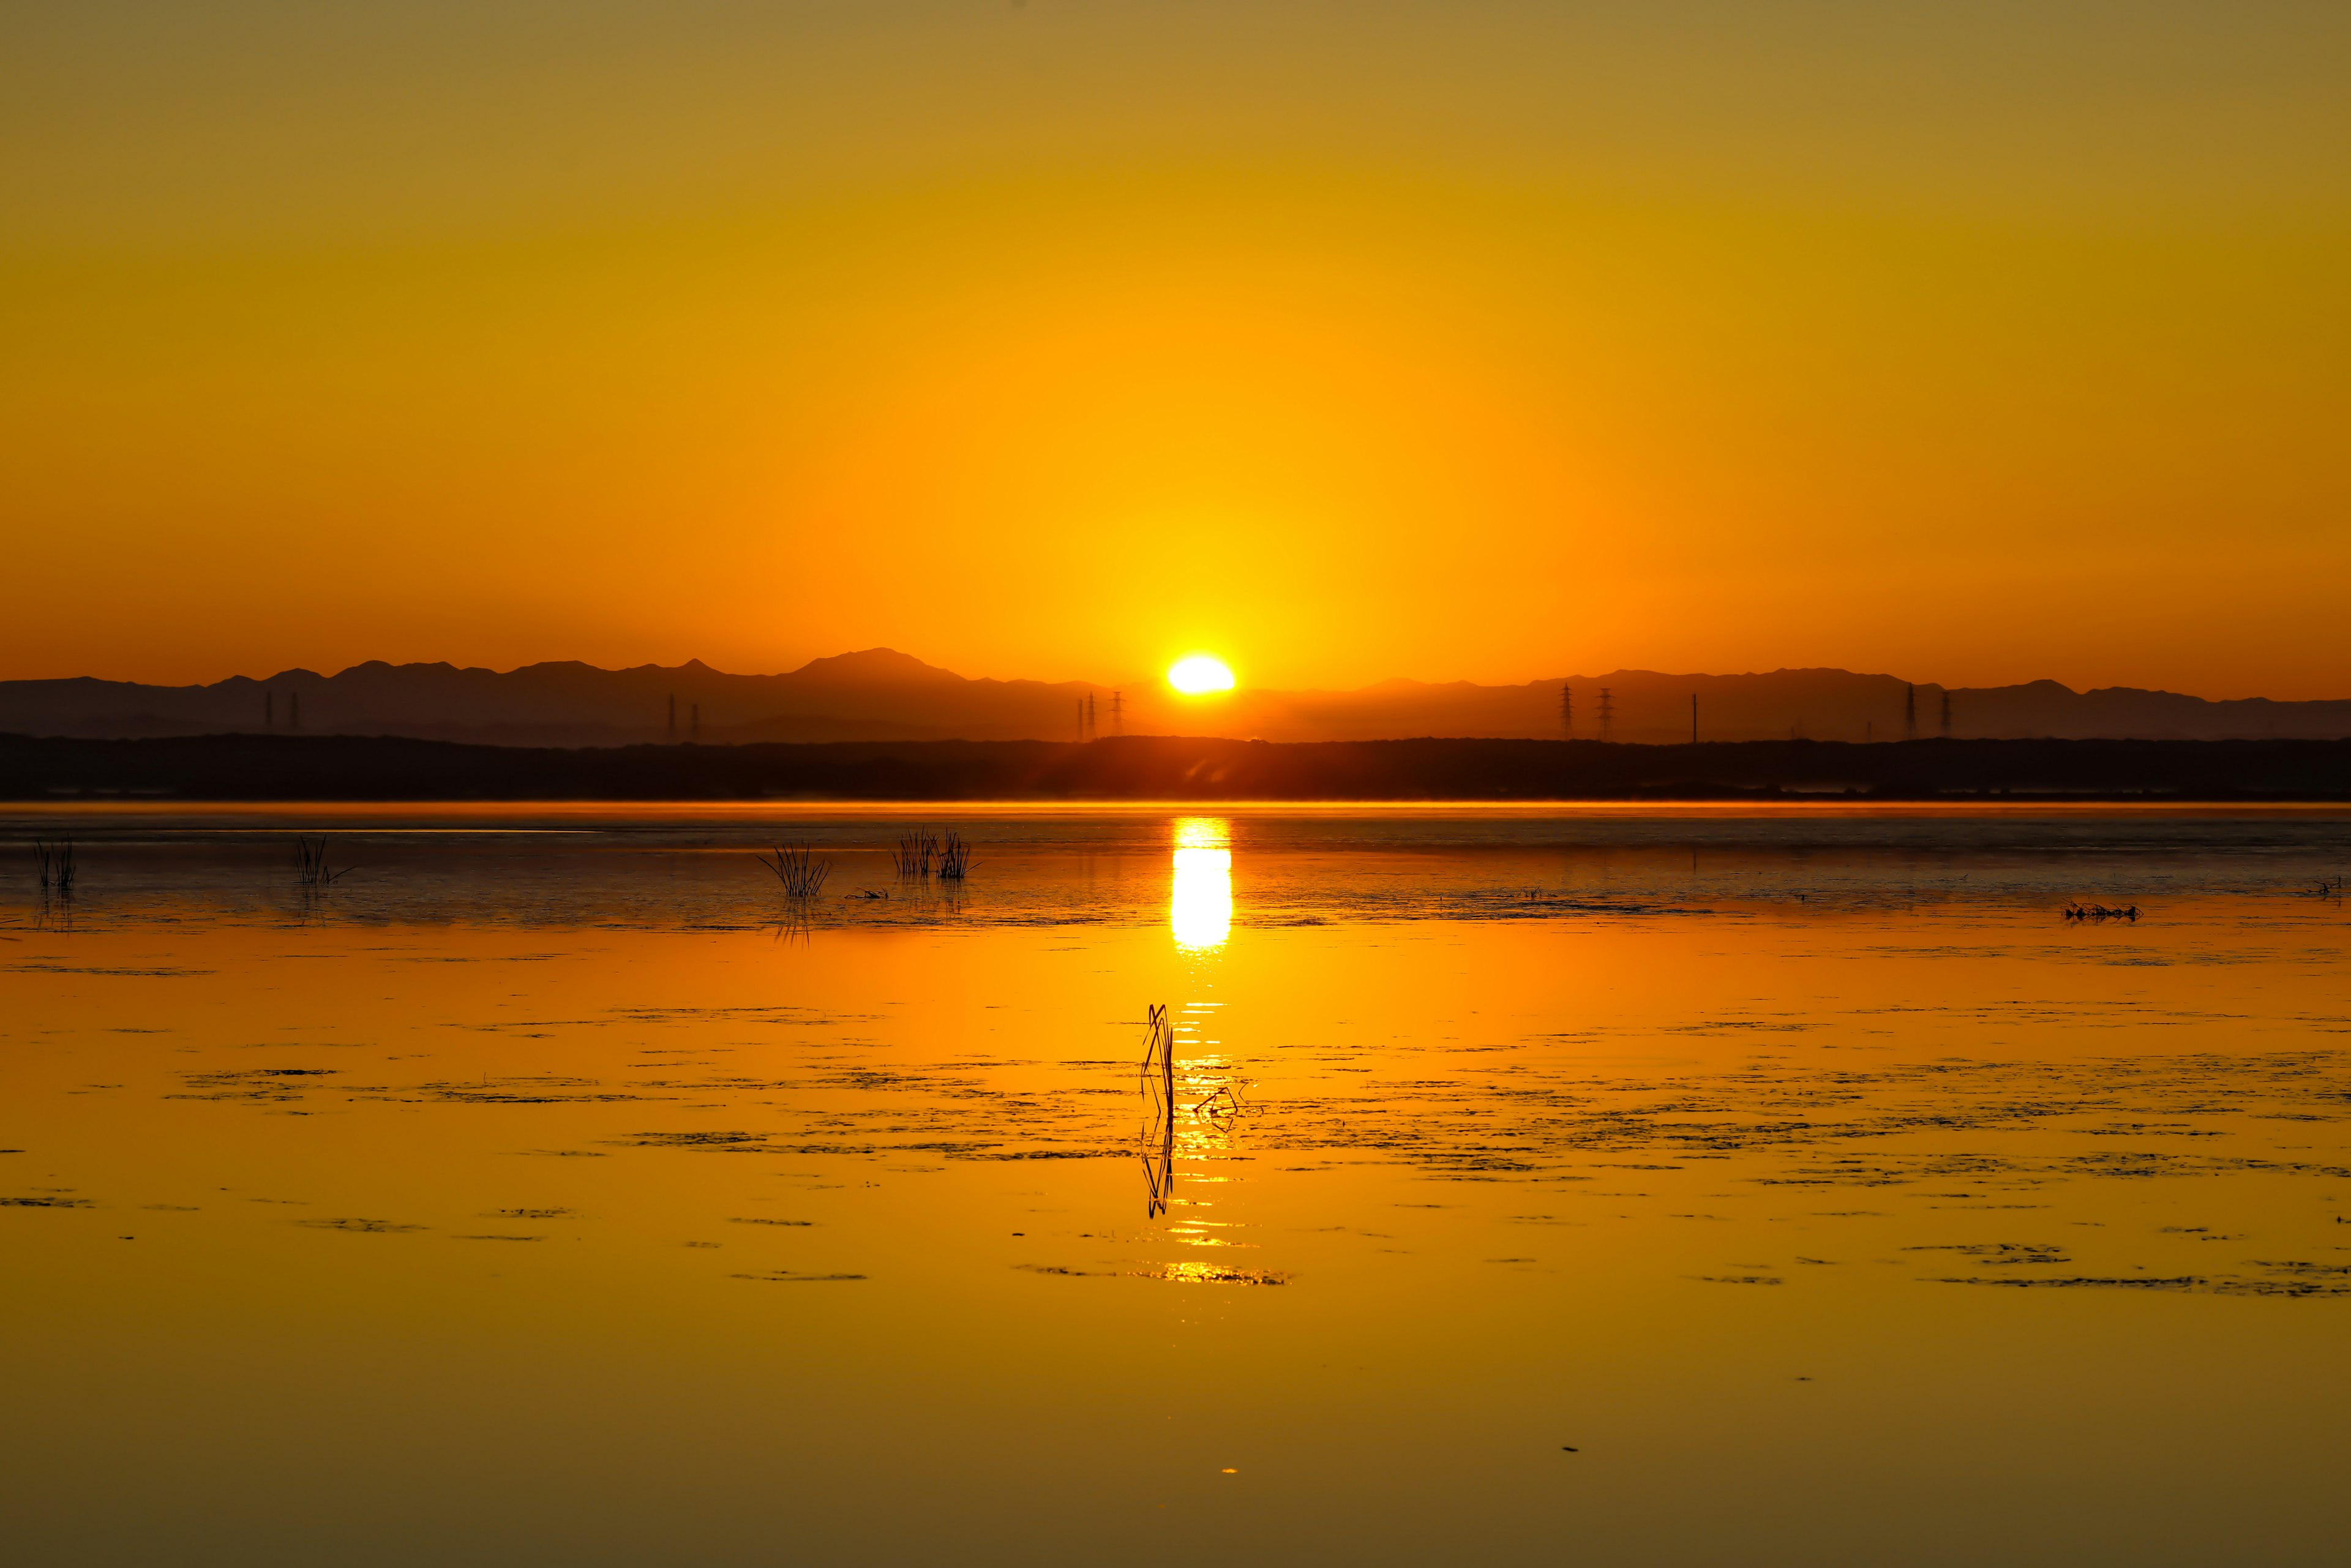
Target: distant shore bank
<point x="351" y="768"/>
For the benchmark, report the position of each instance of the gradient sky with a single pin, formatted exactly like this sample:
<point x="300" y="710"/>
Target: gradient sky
<point x="1968" y="342"/>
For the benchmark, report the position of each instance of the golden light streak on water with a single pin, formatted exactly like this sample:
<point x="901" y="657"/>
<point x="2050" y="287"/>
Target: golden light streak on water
<point x="1200" y="904"/>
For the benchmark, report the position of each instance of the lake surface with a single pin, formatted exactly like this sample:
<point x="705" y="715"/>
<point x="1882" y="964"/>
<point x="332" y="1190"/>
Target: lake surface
<point x="1621" y="1186"/>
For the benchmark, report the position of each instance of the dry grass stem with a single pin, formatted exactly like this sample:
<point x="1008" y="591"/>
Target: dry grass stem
<point x="915" y="853"/>
<point x="55" y="863"/>
<point x="798" y="869"/>
<point x="954" y="858"/>
<point x="311" y="868"/>
<point x="1158" y="1075"/>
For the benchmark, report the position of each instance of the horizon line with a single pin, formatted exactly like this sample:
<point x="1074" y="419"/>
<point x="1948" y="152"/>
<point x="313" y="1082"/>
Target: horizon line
<point x="1146" y="682"/>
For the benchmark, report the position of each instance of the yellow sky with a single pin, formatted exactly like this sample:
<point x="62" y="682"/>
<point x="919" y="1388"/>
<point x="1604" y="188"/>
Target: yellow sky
<point x="1492" y="342"/>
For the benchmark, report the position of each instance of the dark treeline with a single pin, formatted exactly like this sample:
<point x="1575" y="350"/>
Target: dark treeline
<point x="345" y="768"/>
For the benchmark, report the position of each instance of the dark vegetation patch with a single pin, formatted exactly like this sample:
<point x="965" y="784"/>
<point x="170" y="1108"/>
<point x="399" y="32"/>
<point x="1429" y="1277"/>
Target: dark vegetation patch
<point x="1141" y="768"/>
<point x="272" y="1085"/>
<point x="161" y="974"/>
<point x="2002" y="1254"/>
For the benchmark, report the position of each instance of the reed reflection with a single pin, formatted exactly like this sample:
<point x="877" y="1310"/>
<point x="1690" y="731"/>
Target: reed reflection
<point x="1200" y="905"/>
<point x="1187" y="1109"/>
<point x="1158" y="1141"/>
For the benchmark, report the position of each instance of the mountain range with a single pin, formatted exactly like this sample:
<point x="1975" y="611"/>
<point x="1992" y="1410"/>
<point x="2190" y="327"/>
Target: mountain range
<point x="882" y="694"/>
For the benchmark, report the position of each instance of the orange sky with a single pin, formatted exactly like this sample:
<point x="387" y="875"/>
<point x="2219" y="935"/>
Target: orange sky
<point x="1971" y="344"/>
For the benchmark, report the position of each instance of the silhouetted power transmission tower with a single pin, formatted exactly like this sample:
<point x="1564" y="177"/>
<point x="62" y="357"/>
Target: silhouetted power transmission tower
<point x="1909" y="713"/>
<point x="1566" y="711"/>
<point x="1607" y="713"/>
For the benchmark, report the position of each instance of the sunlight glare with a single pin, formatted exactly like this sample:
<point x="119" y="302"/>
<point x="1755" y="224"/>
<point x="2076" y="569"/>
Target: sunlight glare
<point x="1200" y="906"/>
<point x="1196" y="675"/>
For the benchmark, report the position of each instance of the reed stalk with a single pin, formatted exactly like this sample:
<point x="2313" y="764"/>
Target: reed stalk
<point x="1158" y="1076"/>
<point x="56" y="864"/>
<point x="797" y="867"/>
<point x="912" y="859"/>
<point x="310" y="867"/>
<point x="954" y="858"/>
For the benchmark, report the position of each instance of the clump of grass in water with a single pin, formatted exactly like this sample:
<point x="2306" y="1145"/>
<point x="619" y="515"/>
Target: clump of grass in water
<point x="915" y="853"/>
<point x="311" y="868"/>
<point x="954" y="858"/>
<point x="55" y="861"/>
<point x="798" y="869"/>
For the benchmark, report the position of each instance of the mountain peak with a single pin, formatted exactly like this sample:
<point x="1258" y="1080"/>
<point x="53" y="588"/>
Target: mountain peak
<point x="873" y="667"/>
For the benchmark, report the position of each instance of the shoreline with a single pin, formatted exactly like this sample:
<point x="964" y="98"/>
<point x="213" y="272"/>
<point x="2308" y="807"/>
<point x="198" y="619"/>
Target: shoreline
<point x="1147" y="772"/>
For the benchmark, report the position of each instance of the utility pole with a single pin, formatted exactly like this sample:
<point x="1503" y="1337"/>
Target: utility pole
<point x="1607" y="714"/>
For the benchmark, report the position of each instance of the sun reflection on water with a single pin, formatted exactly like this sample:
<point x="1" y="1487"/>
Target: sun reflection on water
<point x="1200" y="905"/>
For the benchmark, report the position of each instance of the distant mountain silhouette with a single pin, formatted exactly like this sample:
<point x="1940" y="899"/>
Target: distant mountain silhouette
<point x="880" y="695"/>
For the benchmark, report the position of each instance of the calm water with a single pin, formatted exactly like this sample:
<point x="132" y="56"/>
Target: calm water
<point x="1603" y="1186"/>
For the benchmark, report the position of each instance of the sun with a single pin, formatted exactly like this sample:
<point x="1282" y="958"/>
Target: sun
<point x="1195" y="675"/>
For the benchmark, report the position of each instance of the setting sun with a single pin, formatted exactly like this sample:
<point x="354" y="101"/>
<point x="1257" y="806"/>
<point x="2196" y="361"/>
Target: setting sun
<point x="1198" y="674"/>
